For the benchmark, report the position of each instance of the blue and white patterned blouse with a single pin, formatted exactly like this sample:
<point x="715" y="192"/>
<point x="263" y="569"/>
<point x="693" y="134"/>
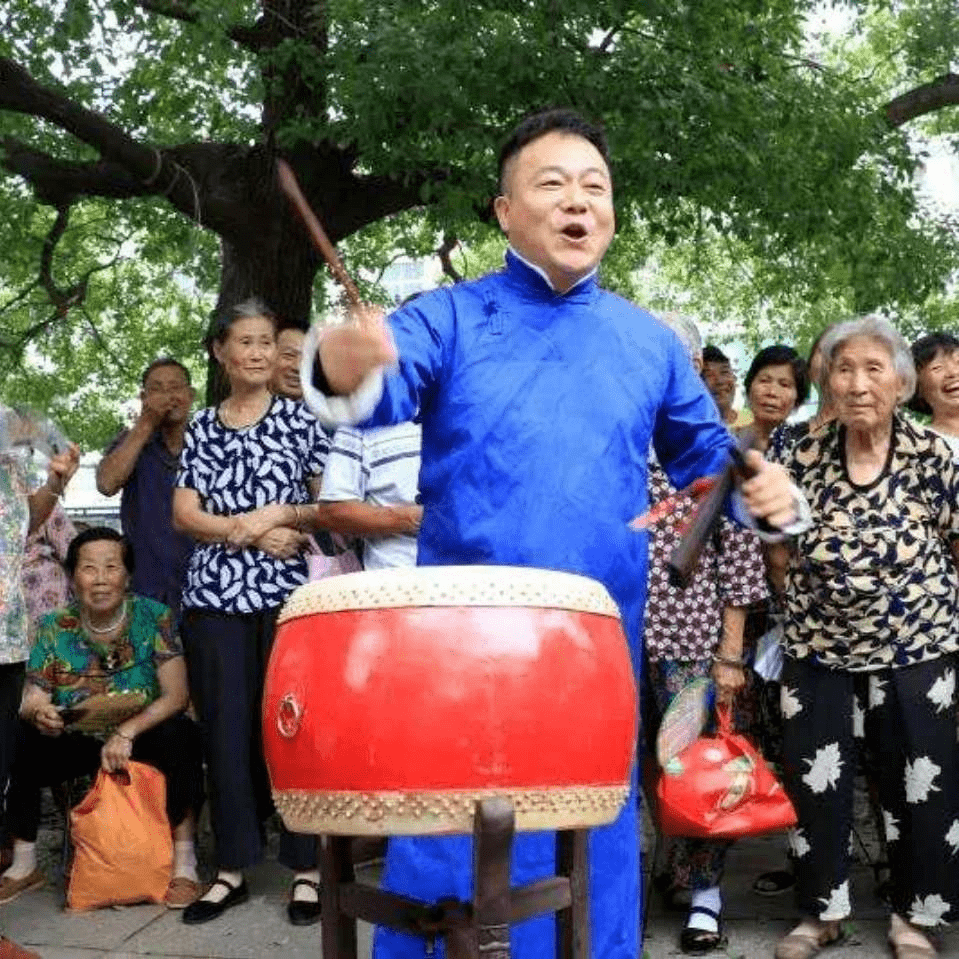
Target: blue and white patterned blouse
<point x="238" y="470"/>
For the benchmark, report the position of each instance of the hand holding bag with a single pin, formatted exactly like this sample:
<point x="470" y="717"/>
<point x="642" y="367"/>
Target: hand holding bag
<point x="720" y="787"/>
<point x="123" y="846"/>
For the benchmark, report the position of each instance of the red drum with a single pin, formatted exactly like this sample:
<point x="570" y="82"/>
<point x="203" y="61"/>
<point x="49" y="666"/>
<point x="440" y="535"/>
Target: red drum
<point x="396" y="699"/>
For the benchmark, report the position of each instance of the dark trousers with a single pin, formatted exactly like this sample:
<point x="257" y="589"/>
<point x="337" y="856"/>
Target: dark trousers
<point x="11" y="688"/>
<point x="172" y="746"/>
<point x="908" y="718"/>
<point x="226" y="658"/>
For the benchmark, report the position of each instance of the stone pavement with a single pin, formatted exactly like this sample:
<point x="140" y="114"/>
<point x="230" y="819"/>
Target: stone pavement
<point x="259" y="929"/>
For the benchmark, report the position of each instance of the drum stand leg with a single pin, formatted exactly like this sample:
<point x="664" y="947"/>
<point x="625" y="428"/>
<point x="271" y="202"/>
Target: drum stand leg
<point x="337" y="928"/>
<point x="476" y="930"/>
<point x="487" y="936"/>
<point x="572" y="924"/>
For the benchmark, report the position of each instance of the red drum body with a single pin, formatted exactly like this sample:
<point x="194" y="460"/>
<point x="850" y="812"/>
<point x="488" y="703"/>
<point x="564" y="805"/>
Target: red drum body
<point x="396" y="699"/>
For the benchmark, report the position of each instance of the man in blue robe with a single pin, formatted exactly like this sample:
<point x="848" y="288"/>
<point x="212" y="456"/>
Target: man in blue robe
<point x="539" y="394"/>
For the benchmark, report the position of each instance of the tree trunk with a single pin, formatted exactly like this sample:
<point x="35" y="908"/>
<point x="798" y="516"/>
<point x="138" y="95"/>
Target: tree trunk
<point x="274" y="263"/>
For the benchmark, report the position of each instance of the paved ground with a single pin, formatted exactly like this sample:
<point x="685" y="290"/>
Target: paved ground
<point x="259" y="929"/>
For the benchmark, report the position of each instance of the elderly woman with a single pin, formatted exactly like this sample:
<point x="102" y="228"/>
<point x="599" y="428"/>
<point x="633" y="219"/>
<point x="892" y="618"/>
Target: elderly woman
<point x="106" y="683"/>
<point x="689" y="634"/>
<point x="872" y="605"/>
<point x="244" y="492"/>
<point x="776" y="383"/>
<point x="937" y="389"/>
<point x="21" y="513"/>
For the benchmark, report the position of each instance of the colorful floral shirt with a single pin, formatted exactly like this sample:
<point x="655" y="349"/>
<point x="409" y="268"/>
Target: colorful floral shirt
<point x="72" y="665"/>
<point x="14" y="523"/>
<point x="873" y="583"/>
<point x="45" y="583"/>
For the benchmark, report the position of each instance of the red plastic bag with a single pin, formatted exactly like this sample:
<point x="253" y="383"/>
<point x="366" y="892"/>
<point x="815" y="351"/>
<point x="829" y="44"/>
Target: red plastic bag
<point x="720" y="787"/>
<point x="123" y="847"/>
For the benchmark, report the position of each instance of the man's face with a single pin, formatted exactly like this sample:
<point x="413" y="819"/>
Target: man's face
<point x="168" y="386"/>
<point x="721" y="383"/>
<point x="557" y="209"/>
<point x="286" y="373"/>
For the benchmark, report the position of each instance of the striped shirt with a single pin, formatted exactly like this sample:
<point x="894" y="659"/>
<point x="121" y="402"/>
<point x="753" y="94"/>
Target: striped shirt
<point x="378" y="466"/>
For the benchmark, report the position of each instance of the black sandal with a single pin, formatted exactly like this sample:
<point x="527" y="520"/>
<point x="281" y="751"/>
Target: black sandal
<point x="697" y="942"/>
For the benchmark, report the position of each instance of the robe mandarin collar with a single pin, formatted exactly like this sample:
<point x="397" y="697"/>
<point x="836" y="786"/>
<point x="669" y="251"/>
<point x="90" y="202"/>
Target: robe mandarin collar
<point x="533" y="282"/>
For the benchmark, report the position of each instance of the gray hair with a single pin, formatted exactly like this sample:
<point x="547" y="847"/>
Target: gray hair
<point x="686" y="330"/>
<point x="875" y="328"/>
<point x="252" y="308"/>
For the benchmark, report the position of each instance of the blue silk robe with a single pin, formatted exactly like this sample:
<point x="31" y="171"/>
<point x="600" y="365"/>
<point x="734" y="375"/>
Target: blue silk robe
<point x="538" y="410"/>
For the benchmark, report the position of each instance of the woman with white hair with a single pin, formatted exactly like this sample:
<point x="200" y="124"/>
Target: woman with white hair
<point x="872" y="605"/>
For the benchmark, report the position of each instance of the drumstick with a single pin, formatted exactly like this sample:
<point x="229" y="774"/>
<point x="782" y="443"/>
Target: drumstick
<point x="686" y="554"/>
<point x="291" y="187"/>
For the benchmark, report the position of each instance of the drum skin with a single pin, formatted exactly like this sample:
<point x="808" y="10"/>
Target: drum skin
<point x="396" y="699"/>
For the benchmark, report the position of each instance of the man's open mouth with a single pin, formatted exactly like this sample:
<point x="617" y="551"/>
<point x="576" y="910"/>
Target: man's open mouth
<point x="575" y="231"/>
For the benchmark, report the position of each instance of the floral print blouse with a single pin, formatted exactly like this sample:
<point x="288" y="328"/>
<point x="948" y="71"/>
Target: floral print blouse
<point x="45" y="583"/>
<point x="686" y="624"/>
<point x="71" y="665"/>
<point x="873" y="583"/>
<point x="14" y="523"/>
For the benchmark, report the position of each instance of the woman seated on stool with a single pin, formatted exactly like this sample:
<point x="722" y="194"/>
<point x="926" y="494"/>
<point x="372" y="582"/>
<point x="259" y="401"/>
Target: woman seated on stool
<point x="106" y="683"/>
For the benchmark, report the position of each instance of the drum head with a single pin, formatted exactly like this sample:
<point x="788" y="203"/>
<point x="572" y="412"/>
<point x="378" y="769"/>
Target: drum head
<point x="491" y="586"/>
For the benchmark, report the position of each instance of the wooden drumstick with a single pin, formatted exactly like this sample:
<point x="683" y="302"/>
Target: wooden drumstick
<point x="683" y="560"/>
<point x="291" y="187"/>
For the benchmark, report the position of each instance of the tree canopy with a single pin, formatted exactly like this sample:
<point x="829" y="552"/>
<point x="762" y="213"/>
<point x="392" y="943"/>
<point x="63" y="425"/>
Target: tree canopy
<point x="138" y="141"/>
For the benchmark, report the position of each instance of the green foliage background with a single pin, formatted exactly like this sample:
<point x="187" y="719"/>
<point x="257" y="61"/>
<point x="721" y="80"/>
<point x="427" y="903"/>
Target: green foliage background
<point x="759" y="186"/>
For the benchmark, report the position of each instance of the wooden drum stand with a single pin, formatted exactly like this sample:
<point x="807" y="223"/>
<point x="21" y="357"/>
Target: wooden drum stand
<point x="473" y="930"/>
<point x="489" y="663"/>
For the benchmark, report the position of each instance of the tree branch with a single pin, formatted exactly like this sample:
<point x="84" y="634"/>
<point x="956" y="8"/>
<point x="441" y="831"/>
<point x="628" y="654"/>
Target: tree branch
<point x="60" y="181"/>
<point x="252" y="38"/>
<point x="932" y="96"/>
<point x="158" y="171"/>
<point x="62" y="299"/>
<point x="101" y="340"/>
<point x="22" y="295"/>
<point x="446" y="248"/>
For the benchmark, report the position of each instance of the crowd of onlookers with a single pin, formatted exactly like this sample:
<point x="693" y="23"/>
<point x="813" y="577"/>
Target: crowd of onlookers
<point x="861" y="609"/>
<point x="152" y="644"/>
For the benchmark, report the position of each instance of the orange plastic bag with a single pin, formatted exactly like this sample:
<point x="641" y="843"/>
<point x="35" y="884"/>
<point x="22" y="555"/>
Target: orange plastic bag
<point x="123" y="847"/>
<point x="720" y="787"/>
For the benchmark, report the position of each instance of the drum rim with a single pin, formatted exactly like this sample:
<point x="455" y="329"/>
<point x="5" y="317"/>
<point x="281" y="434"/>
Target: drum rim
<point x="455" y="586"/>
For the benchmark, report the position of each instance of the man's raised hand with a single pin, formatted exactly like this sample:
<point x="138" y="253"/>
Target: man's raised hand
<point x="350" y="352"/>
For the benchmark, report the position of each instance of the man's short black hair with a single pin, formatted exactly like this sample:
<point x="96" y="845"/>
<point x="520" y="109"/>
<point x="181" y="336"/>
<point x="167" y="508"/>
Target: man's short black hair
<point x="924" y="351"/>
<point x="159" y="364"/>
<point x="713" y="354"/>
<point x="555" y="120"/>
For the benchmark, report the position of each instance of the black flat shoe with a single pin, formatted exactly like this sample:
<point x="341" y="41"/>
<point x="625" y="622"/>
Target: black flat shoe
<point x="302" y="912"/>
<point x="204" y="910"/>
<point x="697" y="942"/>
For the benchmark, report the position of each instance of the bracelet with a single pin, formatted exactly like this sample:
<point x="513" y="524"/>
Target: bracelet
<point x="728" y="661"/>
<point x="297" y="518"/>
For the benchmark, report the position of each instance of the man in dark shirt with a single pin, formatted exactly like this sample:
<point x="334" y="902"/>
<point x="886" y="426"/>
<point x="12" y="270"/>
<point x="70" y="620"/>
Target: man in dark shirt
<point x="142" y="461"/>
